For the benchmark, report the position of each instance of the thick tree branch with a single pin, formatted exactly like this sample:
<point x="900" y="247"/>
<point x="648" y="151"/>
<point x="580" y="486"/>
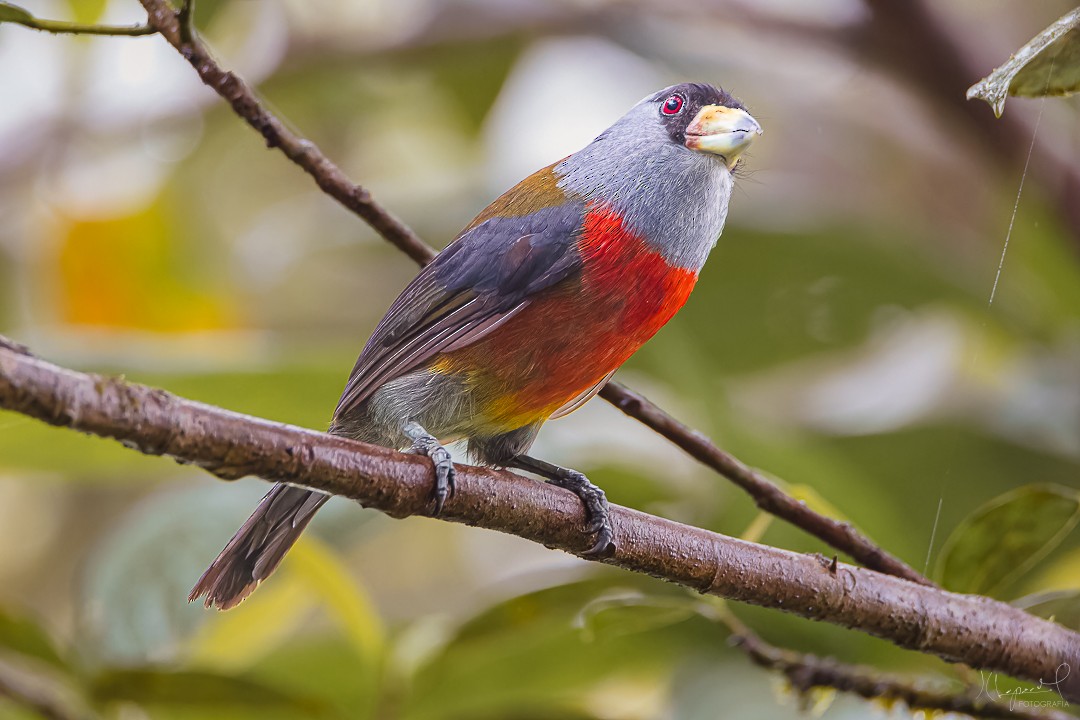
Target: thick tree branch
<point x="329" y="177"/>
<point x="980" y="632"/>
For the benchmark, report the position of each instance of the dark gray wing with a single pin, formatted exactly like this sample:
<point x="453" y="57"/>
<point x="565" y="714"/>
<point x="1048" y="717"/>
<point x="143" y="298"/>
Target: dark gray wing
<point x="475" y="284"/>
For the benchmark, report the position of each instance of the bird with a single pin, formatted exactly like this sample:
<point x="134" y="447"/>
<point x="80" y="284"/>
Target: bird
<point x="527" y="314"/>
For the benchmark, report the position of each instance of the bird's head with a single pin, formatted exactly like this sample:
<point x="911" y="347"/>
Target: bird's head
<point x="665" y="168"/>
<point x="703" y="118"/>
<point x="687" y="125"/>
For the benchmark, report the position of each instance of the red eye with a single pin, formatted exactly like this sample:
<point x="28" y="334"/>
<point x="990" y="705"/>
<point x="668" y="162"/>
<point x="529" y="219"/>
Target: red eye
<point x="672" y="105"/>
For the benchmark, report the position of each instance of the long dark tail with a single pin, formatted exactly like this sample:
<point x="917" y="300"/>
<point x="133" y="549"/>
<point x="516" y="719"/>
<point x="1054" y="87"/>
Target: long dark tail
<point x="258" y="546"/>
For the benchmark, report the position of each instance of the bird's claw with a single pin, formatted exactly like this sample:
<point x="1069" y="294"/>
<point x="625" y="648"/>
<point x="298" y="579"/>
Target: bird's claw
<point x="603" y="544"/>
<point x="596" y="511"/>
<point x="444" y="469"/>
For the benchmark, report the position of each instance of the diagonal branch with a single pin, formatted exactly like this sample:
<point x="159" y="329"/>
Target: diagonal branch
<point x="766" y="494"/>
<point x="301" y="151"/>
<point x="978" y="631"/>
<point x="334" y="182"/>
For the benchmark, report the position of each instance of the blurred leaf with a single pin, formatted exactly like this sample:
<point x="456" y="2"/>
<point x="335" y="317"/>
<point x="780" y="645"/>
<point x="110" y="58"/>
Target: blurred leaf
<point x="825" y="291"/>
<point x="207" y="12"/>
<point x="311" y="572"/>
<point x="237" y="639"/>
<point x="1005" y="538"/>
<point x="26" y="637"/>
<point x="474" y="73"/>
<point x="1062" y="606"/>
<point x="730" y="687"/>
<point x="1047" y="65"/>
<point x="627" y="612"/>
<point x="1062" y="574"/>
<point x="162" y="687"/>
<point x="1055" y="72"/>
<point x="894" y="480"/>
<point x="122" y="272"/>
<point x="9" y="710"/>
<point x="479" y="672"/>
<point x="322" y="571"/>
<point x="133" y="605"/>
<point x="88" y="12"/>
<point x="810" y="497"/>
<point x="14" y="13"/>
<point x="331" y="671"/>
<point x="817" y="701"/>
<point x="757" y="528"/>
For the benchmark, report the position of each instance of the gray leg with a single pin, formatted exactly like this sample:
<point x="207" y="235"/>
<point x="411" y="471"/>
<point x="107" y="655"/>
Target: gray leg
<point x="592" y="497"/>
<point x="424" y="443"/>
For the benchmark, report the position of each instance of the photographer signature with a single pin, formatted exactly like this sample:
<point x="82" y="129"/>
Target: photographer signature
<point x="1018" y="696"/>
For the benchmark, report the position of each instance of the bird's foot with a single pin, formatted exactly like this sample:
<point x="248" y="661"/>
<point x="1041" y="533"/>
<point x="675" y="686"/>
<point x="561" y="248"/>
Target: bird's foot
<point x="424" y="443"/>
<point x="592" y="497"/>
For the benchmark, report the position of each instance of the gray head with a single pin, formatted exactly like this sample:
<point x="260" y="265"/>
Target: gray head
<point x="666" y="166"/>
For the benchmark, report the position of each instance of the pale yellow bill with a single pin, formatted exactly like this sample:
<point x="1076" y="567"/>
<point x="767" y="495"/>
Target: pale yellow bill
<point x="722" y="131"/>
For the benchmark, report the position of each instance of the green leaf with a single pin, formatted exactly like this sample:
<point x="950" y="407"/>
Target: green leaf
<point x="23" y="636"/>
<point x="312" y="572"/>
<point x="1002" y="540"/>
<point x="626" y="612"/>
<point x="324" y="572"/>
<point x="1048" y="65"/>
<point x="1054" y="72"/>
<point x="14" y="14"/>
<point x="478" y="673"/>
<point x="187" y="688"/>
<point x="473" y="73"/>
<point x="332" y="672"/>
<point x="1061" y="606"/>
<point x="132" y="606"/>
<point x="236" y="640"/>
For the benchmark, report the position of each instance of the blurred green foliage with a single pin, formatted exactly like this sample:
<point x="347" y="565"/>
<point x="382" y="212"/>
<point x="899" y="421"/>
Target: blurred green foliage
<point x="840" y="339"/>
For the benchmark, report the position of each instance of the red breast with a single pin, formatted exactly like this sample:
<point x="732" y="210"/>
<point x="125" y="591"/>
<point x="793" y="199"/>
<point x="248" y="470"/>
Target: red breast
<point x="574" y="334"/>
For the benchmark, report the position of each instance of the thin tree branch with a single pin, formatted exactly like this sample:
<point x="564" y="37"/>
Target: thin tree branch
<point x="330" y="178"/>
<point x="18" y="16"/>
<point x="806" y="672"/>
<point x="304" y="153"/>
<point x="767" y="495"/>
<point x="978" y="631"/>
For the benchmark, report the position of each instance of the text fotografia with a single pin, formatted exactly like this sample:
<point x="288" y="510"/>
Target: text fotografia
<point x="1046" y="694"/>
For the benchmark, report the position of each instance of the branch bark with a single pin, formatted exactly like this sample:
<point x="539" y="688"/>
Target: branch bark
<point x="332" y="180"/>
<point x="980" y="632"/>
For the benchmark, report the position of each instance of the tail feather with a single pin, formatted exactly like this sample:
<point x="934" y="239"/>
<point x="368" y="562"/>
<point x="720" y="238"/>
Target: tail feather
<point x="258" y="547"/>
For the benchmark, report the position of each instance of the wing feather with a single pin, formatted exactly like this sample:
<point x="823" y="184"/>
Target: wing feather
<point x="472" y="287"/>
